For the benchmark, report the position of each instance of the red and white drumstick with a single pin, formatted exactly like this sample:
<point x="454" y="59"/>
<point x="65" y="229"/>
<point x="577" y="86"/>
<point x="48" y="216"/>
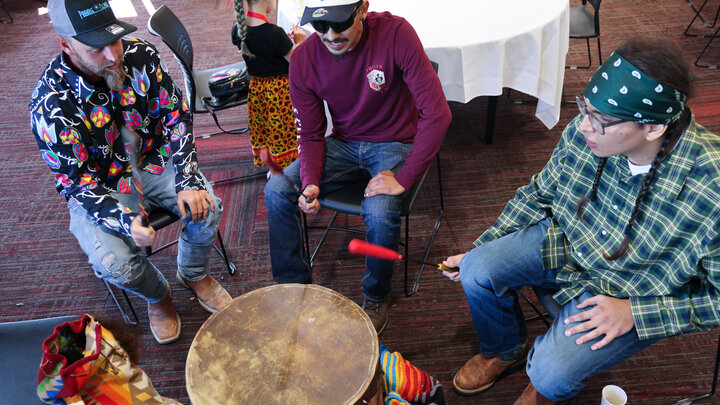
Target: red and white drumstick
<point x="360" y="247"/>
<point x="274" y="168"/>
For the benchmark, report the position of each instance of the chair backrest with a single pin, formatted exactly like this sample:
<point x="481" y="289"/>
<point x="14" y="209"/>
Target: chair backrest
<point x="596" y="6"/>
<point x="596" y="16"/>
<point x="164" y="24"/>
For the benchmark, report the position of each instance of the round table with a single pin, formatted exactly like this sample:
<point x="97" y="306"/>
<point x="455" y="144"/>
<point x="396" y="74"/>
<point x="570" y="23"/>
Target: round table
<point x="284" y="344"/>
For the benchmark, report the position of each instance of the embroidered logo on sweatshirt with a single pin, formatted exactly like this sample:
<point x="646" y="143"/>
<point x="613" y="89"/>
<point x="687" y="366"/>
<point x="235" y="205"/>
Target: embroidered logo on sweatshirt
<point x="376" y="80"/>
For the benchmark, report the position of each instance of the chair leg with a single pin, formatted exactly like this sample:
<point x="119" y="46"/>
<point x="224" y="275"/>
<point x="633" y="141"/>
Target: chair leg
<point x="306" y="237"/>
<point x="699" y="15"/>
<point x="518" y="100"/>
<point x="222" y="131"/>
<point x="713" y="36"/>
<point x="587" y="42"/>
<point x="10" y="19"/>
<point x="416" y="285"/>
<point x="329" y="228"/>
<point x="540" y="315"/>
<point x="407" y="254"/>
<point x="221" y="251"/>
<point x="439" y="173"/>
<point x="125" y="315"/>
<point x="243" y="177"/>
<point x="714" y="382"/>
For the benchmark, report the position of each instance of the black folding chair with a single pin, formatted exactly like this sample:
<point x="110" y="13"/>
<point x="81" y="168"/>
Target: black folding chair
<point x="585" y="24"/>
<point x="710" y="37"/>
<point x="348" y="200"/>
<point x="160" y="218"/>
<point x="164" y="24"/>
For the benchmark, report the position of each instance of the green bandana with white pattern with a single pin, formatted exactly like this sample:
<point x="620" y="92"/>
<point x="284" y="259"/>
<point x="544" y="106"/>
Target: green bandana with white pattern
<point x="623" y="91"/>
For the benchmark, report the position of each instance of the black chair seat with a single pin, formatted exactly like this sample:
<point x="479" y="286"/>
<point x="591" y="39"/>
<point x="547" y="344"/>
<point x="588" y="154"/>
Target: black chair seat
<point x="346" y="200"/>
<point x="159" y="219"/>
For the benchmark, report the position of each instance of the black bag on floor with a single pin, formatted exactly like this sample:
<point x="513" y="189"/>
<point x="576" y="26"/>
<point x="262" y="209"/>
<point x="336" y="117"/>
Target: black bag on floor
<point x="228" y="85"/>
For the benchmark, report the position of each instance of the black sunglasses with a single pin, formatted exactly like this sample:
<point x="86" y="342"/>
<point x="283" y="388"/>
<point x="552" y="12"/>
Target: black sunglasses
<point x="323" y="26"/>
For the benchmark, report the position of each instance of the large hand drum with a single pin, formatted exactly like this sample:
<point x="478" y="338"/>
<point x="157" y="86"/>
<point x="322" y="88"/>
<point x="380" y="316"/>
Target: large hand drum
<point x="285" y="344"/>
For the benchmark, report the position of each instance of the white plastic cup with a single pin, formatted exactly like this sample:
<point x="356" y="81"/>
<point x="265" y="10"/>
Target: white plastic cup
<point x="613" y="395"/>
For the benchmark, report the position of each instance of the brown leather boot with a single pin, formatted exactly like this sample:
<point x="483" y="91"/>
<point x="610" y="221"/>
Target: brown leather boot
<point x="378" y="312"/>
<point x="210" y="294"/>
<point x="480" y="373"/>
<point x="531" y="397"/>
<point x="164" y="320"/>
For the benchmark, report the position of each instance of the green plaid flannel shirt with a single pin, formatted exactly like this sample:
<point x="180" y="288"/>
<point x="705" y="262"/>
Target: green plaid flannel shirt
<point x="671" y="273"/>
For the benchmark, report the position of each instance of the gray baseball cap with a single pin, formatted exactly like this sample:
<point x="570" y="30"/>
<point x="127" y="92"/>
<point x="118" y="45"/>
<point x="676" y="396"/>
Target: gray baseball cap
<point x="90" y="22"/>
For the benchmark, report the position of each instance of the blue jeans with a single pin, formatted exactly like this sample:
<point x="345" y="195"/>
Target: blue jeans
<point x="345" y="163"/>
<point x="116" y="258"/>
<point x="558" y="368"/>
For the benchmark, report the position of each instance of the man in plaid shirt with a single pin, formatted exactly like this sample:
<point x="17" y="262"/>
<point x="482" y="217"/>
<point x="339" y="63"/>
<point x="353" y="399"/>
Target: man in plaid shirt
<point x="622" y="222"/>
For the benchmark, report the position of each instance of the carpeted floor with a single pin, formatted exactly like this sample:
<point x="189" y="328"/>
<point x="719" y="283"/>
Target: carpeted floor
<point x="43" y="272"/>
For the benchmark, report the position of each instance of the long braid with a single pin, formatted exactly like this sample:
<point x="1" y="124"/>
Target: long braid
<point x="672" y="134"/>
<point x="593" y="191"/>
<point x="242" y="28"/>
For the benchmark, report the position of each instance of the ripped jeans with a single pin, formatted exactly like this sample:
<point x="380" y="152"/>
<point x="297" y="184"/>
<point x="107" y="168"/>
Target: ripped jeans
<point x="115" y="256"/>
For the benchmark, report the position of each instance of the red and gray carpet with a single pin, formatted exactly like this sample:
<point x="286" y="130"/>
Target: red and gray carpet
<point x="44" y="273"/>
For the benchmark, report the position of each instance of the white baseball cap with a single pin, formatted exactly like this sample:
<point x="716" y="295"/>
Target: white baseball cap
<point x="328" y="10"/>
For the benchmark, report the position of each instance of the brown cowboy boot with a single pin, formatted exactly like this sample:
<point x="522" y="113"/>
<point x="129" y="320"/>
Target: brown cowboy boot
<point x="531" y="397"/>
<point x="210" y="294"/>
<point x="480" y="373"/>
<point x="164" y="320"/>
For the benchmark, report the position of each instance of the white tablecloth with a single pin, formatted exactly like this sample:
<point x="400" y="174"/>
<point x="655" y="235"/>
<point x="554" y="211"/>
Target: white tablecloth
<point x="485" y="45"/>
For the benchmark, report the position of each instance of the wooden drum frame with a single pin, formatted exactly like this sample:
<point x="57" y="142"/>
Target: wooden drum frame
<point x="286" y="344"/>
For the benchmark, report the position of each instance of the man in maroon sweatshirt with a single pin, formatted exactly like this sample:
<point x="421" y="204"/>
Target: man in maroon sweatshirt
<point x="389" y="117"/>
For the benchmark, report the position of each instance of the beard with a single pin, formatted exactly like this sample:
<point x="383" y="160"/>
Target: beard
<point x="114" y="79"/>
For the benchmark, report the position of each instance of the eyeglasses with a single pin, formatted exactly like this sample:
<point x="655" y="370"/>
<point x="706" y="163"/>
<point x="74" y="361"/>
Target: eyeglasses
<point x="337" y="27"/>
<point x="595" y="121"/>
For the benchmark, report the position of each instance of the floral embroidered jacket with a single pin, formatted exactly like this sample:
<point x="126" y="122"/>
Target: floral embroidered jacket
<point x="76" y="126"/>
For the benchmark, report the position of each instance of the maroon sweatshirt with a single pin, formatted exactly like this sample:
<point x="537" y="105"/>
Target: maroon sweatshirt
<point x="383" y="90"/>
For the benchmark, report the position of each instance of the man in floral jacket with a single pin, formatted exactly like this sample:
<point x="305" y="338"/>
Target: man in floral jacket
<point x="98" y="83"/>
